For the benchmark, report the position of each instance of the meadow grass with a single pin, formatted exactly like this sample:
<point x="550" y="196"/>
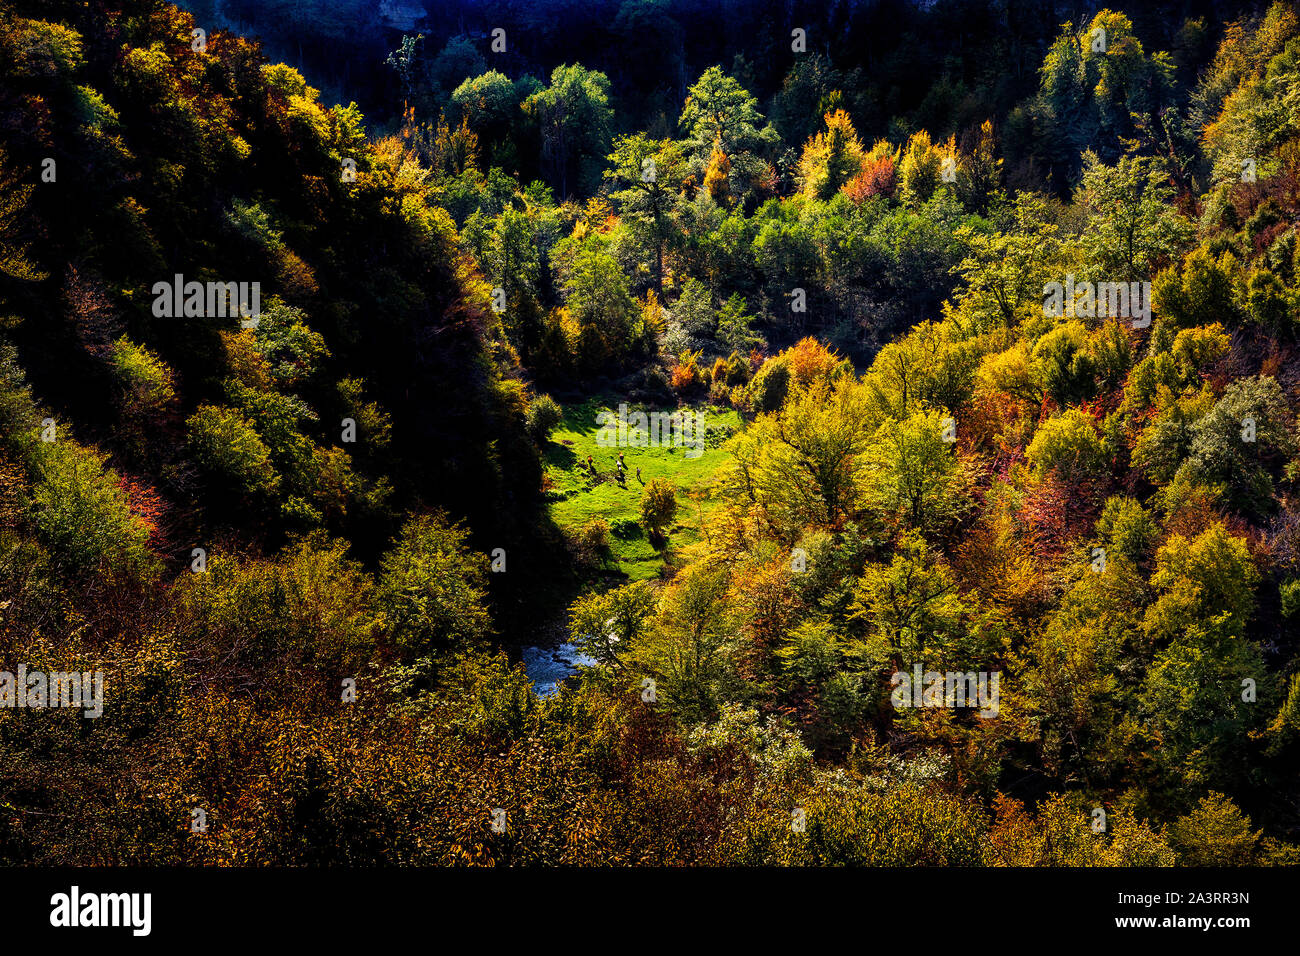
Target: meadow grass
<point x="576" y="498"/>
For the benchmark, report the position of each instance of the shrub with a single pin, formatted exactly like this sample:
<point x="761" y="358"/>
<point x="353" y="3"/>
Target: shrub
<point x="1068" y="443"/>
<point x="83" y="513"/>
<point x="658" y="505"/>
<point x="770" y="385"/>
<point x="1215" y="833"/>
<point x="1290" y="592"/>
<point x="145" y="378"/>
<point x="225" y="444"/>
<point x="590" y="543"/>
<point x="544" y="414"/>
<point x="687" y="374"/>
<point x="624" y="528"/>
<point x="905" y="827"/>
<point x="434" y="588"/>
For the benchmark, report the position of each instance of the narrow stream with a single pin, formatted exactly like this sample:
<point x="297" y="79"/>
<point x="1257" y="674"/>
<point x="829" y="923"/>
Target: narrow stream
<point x="547" y="666"/>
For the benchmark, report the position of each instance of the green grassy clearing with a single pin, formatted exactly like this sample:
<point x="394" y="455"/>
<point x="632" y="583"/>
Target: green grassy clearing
<point x="576" y="498"/>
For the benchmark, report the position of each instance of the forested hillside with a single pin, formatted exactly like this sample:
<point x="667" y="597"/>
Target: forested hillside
<point x="986" y="323"/>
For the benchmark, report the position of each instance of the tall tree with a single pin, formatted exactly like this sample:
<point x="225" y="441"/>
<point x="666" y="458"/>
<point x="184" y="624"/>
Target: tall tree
<point x="651" y="173"/>
<point x="575" y="116"/>
<point x="720" y="111"/>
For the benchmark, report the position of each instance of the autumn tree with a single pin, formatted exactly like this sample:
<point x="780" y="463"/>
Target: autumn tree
<point x="831" y="158"/>
<point x="720" y="111"/>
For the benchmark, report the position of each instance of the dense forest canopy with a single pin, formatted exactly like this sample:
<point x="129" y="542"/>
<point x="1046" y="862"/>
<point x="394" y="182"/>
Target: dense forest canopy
<point x="943" y="339"/>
